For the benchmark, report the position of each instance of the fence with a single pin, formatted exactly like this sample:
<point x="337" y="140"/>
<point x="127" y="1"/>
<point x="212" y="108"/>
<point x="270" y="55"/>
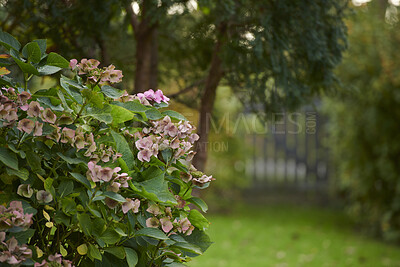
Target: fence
<point x="290" y="154"/>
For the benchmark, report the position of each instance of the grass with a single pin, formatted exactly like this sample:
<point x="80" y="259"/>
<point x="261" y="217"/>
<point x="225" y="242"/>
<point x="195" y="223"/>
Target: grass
<point x="291" y="236"/>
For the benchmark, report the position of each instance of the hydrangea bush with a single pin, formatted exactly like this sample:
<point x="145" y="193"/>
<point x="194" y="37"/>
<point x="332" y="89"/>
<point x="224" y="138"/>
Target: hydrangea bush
<point x="90" y="175"/>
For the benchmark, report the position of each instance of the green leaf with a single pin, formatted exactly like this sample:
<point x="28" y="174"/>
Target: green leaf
<point x="118" y="252"/>
<point x="114" y="196"/>
<point x="101" y="114"/>
<point x="65" y="188"/>
<point x="25" y="67"/>
<point x="123" y="148"/>
<point x="68" y="206"/>
<point x="188" y="247"/>
<point x="131" y="257"/>
<point x="23" y="237"/>
<point x="85" y="222"/>
<point x="152" y="232"/>
<point x="110" y="236"/>
<point x="152" y="172"/>
<point x="156" y="189"/>
<point x="48" y="183"/>
<point x="198" y="220"/>
<point x="60" y="217"/>
<point x="8" y="158"/>
<point x="135" y="106"/>
<point x="94" y="252"/>
<point x="200" y="239"/>
<point x="54" y="59"/>
<point x="153" y="114"/>
<point x="111" y="91"/>
<point x="199" y="203"/>
<point x="8" y="41"/>
<point x="121" y="114"/>
<point x="70" y="160"/>
<point x="82" y="179"/>
<point x="32" y="52"/>
<point x="34" y="162"/>
<point x="21" y="173"/>
<point x="48" y="70"/>
<point x="72" y="89"/>
<point x="42" y="45"/>
<point x="174" y="115"/>
<point x="98" y="227"/>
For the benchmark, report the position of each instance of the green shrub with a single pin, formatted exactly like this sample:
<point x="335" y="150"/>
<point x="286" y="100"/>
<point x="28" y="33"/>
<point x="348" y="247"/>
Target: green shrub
<point x="90" y="175"/>
<point x="365" y="124"/>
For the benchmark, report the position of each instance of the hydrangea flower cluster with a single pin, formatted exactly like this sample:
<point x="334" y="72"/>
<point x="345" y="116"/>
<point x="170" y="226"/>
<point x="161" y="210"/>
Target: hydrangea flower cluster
<point x="54" y="260"/>
<point x="145" y="98"/>
<point x="13" y="216"/>
<point x="164" y="219"/>
<point x="90" y="68"/>
<point x="165" y="134"/>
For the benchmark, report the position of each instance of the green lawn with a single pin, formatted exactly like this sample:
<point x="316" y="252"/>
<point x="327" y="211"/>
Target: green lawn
<point x="291" y="236"/>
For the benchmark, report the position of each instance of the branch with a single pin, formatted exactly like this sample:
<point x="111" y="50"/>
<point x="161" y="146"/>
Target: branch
<point x="189" y="88"/>
<point x="133" y="17"/>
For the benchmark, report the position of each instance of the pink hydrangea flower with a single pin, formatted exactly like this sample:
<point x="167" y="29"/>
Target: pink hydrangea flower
<point x="72" y="63"/>
<point x="166" y="224"/>
<point x="49" y="116"/>
<point x="131" y="205"/>
<point x="43" y="196"/>
<point x="152" y="222"/>
<point x="26" y="125"/>
<point x="145" y="155"/>
<point x="34" y="109"/>
<point x="38" y="129"/>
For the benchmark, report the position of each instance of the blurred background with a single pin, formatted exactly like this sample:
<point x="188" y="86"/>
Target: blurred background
<point x="297" y="104"/>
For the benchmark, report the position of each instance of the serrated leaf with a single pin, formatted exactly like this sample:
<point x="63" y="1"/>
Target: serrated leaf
<point x="111" y="92"/>
<point x="156" y="189"/>
<point x="8" y="41"/>
<point x="200" y="239"/>
<point x="174" y="115"/>
<point x="48" y="70"/>
<point x="110" y="236"/>
<point x="199" y="203"/>
<point x="152" y="232"/>
<point x="25" y="67"/>
<point x="65" y="188"/>
<point x="94" y="252"/>
<point x="123" y="148"/>
<point x="118" y="252"/>
<point x="85" y="222"/>
<point x="131" y="257"/>
<point x="114" y="196"/>
<point x="120" y="114"/>
<point x="188" y="247"/>
<point x="101" y="114"/>
<point x="54" y="59"/>
<point x="69" y="159"/>
<point x="32" y="52"/>
<point x="42" y="45"/>
<point x="198" y="220"/>
<point x="8" y="158"/>
<point x="82" y="179"/>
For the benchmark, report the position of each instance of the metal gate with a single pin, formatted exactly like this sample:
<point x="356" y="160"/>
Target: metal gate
<point x="291" y="154"/>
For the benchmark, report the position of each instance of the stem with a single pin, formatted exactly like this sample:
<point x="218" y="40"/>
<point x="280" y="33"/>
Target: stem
<point x="80" y="111"/>
<point x="155" y="253"/>
<point x="20" y="139"/>
<point x="26" y="81"/>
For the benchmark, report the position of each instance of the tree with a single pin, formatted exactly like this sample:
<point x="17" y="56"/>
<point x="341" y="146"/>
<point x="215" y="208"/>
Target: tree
<point x="272" y="53"/>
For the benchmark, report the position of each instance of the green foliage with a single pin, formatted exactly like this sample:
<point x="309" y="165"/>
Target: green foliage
<point x="89" y="168"/>
<point x="365" y="123"/>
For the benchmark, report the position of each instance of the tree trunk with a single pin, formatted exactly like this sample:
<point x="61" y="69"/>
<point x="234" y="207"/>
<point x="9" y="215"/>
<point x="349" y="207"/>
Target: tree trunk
<point x="143" y="60"/>
<point x="207" y="103"/>
<point x="146" y="75"/>
<point x="153" y="82"/>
